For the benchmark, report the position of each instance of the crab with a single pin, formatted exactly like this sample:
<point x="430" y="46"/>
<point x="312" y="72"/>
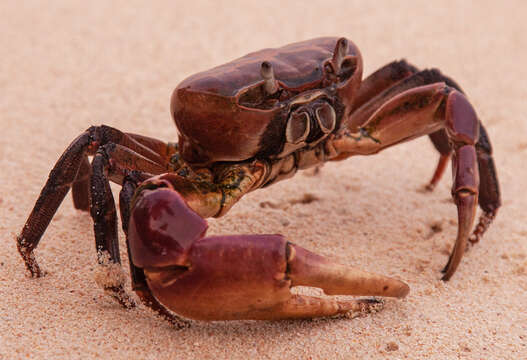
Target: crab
<point x="246" y="125"/>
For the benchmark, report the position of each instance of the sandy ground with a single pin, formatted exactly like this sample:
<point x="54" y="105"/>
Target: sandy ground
<point x="67" y="65"/>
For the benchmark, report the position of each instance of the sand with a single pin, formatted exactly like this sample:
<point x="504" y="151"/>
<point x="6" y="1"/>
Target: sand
<point x="67" y="65"/>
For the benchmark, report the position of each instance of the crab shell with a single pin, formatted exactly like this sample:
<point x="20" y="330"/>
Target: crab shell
<point x="221" y="113"/>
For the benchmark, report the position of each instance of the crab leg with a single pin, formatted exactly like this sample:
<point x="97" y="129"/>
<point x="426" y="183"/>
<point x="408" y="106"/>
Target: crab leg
<point x="419" y="111"/>
<point x="237" y="276"/>
<point x="382" y="79"/>
<point x="391" y="80"/>
<point x="387" y="82"/>
<point x="80" y="188"/>
<point x="150" y="148"/>
<point x="103" y="212"/>
<point x="72" y="169"/>
<point x="396" y="78"/>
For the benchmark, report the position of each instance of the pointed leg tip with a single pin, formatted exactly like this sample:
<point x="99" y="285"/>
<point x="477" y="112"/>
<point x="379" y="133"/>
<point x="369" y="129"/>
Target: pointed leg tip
<point x="429" y="187"/>
<point x="34" y="270"/>
<point x="28" y="256"/>
<point x="121" y="296"/>
<point x="446" y="277"/>
<point x="448" y="271"/>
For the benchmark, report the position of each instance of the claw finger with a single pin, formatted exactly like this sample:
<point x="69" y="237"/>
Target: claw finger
<point x="306" y="307"/>
<point x="309" y="269"/>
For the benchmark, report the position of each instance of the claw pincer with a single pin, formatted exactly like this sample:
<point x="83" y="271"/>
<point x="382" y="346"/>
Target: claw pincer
<point x="236" y="276"/>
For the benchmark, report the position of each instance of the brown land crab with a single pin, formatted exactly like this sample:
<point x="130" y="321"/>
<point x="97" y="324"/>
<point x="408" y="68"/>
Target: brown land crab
<point x="245" y="125"/>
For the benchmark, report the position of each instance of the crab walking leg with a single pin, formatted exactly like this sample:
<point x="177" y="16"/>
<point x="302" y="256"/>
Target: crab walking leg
<point x="419" y="111"/>
<point x="489" y="189"/>
<point x="62" y="176"/>
<point x="382" y="79"/>
<point x="80" y="189"/>
<point x="150" y="148"/>
<point x="394" y="79"/>
<point x="438" y="173"/>
<point x="361" y="115"/>
<point x="51" y="196"/>
<point x="103" y="212"/>
<point x="162" y="151"/>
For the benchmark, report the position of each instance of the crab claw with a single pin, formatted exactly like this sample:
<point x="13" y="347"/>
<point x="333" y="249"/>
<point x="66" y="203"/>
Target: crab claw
<point x="238" y="276"/>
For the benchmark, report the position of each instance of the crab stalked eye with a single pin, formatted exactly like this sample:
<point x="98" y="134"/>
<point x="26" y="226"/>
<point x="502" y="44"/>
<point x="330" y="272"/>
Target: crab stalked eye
<point x="326" y="118"/>
<point x="267" y="73"/>
<point x="341" y="48"/>
<point x="328" y="68"/>
<point x="342" y="65"/>
<point x="297" y="128"/>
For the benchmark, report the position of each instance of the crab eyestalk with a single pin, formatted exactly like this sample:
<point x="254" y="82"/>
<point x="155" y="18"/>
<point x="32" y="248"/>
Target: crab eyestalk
<point x="338" y="54"/>
<point x="267" y="72"/>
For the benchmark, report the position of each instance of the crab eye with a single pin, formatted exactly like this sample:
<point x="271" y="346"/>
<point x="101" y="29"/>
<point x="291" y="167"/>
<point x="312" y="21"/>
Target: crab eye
<point x="297" y="128"/>
<point x="267" y="73"/>
<point x="326" y="118"/>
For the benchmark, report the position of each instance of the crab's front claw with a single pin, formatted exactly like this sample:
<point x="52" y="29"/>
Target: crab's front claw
<point x="237" y="276"/>
<point x="309" y="269"/>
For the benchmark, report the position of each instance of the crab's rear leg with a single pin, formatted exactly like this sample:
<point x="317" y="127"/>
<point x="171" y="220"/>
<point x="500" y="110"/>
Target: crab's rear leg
<point x="489" y="189"/>
<point x="382" y="79"/>
<point x="424" y="110"/>
<point x="391" y="80"/>
<point x="394" y="79"/>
